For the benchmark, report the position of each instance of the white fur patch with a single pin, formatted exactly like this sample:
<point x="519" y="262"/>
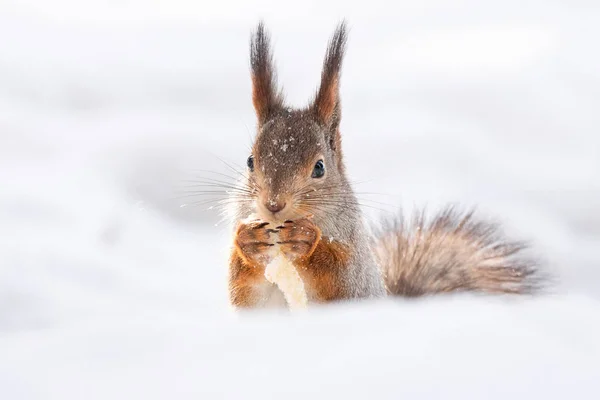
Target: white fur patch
<point x="282" y="273"/>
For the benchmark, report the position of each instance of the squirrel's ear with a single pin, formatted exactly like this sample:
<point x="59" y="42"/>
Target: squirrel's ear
<point x="327" y="100"/>
<point x="265" y="96"/>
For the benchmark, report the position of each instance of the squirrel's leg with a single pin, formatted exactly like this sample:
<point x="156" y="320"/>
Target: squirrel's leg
<point x="245" y="281"/>
<point x="248" y="287"/>
<point x="325" y="270"/>
<point x="321" y="263"/>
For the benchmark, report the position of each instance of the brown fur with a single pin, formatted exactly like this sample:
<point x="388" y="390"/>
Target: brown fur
<point x="320" y="262"/>
<point x="243" y="278"/>
<point x="252" y="240"/>
<point x="327" y="100"/>
<point x="451" y="252"/>
<point x="322" y="271"/>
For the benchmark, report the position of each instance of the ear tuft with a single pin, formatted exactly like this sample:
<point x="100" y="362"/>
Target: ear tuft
<point x="265" y="95"/>
<point x="327" y="100"/>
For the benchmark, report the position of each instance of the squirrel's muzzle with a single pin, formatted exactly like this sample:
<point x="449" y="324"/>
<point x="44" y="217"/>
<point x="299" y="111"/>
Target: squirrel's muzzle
<point x="275" y="206"/>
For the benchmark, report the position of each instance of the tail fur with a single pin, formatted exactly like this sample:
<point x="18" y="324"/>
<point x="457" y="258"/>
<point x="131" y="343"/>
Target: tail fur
<point x="451" y="252"/>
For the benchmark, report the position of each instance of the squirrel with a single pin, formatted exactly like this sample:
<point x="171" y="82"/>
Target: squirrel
<point x="295" y="194"/>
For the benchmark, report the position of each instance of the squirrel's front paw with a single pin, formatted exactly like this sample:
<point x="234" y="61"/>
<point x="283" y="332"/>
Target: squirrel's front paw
<point x="298" y="238"/>
<point x="254" y="241"/>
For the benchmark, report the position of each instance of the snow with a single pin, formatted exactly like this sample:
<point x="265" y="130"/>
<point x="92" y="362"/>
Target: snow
<point x="110" y="289"/>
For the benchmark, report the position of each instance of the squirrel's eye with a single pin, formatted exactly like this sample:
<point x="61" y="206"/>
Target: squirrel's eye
<point x="318" y="170"/>
<point x="250" y="163"/>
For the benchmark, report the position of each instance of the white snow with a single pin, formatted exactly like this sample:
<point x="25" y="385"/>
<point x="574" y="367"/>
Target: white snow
<point x="110" y="289"/>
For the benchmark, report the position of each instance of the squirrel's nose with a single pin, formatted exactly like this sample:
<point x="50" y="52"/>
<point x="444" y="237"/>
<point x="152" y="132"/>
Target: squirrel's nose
<point x="275" y="206"/>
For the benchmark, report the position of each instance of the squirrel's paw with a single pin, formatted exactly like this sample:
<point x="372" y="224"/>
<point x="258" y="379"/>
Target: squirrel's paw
<point x="298" y="238"/>
<point x="254" y="240"/>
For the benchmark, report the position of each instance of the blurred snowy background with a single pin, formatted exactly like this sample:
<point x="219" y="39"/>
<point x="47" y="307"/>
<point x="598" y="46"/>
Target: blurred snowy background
<point x="110" y="289"/>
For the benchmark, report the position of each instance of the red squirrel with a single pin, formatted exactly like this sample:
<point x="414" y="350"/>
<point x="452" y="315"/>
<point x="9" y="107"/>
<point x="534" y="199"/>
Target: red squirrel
<point x="297" y="194"/>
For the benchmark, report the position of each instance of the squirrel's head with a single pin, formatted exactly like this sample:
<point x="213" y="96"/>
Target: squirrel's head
<point x="296" y="164"/>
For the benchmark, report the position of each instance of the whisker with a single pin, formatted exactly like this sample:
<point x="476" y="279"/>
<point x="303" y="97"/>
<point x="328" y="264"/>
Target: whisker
<point x="317" y="194"/>
<point x="343" y="203"/>
<point x="208" y="192"/>
<point x="215" y="199"/>
<point x="231" y="167"/>
<point x="349" y="198"/>
<point x="329" y="209"/>
<point x="215" y="182"/>
<point x="228" y="190"/>
<point x="219" y="202"/>
<point x="233" y="178"/>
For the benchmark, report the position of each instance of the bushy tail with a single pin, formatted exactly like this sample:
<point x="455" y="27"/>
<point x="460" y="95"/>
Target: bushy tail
<point x="451" y="252"/>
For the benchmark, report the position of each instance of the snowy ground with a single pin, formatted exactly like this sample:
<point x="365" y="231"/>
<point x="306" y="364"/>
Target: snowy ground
<point x="109" y="289"/>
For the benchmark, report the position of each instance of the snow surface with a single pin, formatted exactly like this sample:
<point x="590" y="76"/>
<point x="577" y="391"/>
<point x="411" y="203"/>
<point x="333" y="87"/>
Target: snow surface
<point x="110" y="289"/>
